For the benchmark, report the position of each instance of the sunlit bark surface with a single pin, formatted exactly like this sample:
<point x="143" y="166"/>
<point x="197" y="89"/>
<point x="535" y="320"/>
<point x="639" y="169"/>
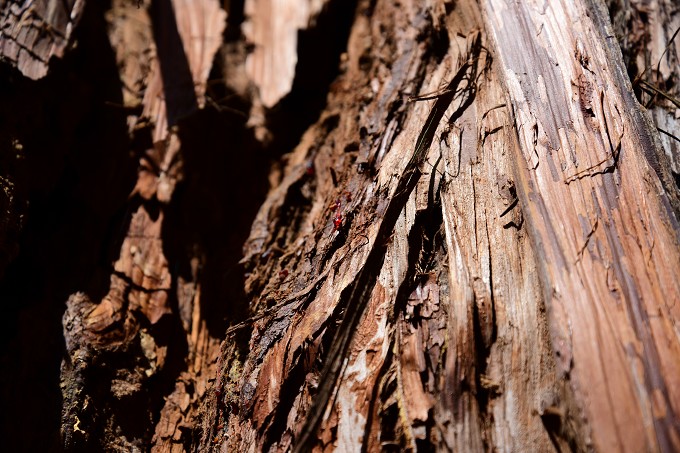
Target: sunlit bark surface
<point x="469" y="240"/>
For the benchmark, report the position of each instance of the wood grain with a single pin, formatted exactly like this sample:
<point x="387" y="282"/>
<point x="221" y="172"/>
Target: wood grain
<point x="603" y="227"/>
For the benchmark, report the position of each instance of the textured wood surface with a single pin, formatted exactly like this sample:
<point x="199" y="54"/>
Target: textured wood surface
<point x="540" y="188"/>
<point x="33" y="31"/>
<point x="396" y="314"/>
<point x="603" y="228"/>
<point x="473" y="246"/>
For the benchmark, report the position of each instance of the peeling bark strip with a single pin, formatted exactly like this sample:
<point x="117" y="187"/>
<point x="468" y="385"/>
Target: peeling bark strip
<point x="33" y="31"/>
<point x="608" y="239"/>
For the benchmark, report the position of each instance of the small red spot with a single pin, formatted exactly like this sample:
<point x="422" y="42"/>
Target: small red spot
<point x="283" y="273"/>
<point x="337" y="218"/>
<point x="310" y="168"/>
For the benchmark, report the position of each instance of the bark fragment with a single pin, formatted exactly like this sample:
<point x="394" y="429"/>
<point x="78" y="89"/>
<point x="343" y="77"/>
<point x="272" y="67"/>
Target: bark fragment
<point x="272" y="29"/>
<point x="34" y="31"/>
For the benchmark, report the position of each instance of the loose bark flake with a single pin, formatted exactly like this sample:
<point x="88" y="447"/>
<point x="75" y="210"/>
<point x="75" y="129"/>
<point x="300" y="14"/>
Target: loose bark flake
<point x="272" y="28"/>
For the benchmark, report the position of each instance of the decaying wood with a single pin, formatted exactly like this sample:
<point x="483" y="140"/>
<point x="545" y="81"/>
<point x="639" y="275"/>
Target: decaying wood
<point x="607" y="234"/>
<point x="416" y="334"/>
<point x="472" y="248"/>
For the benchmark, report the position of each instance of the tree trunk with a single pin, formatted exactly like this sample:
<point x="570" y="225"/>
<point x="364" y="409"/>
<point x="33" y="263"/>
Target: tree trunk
<point x="471" y="247"/>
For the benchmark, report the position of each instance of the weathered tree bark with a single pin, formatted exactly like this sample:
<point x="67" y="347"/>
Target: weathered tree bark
<point x="472" y="247"/>
<point x="400" y="307"/>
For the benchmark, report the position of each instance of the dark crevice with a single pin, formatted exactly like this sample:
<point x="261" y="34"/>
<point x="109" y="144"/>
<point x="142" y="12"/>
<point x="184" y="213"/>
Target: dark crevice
<point x="212" y="210"/>
<point x="375" y="401"/>
<point x="73" y="178"/>
<point x="288" y="393"/>
<point x="437" y="39"/>
<point x="481" y="354"/>
<point x="178" y="83"/>
<point x="167" y="332"/>
<point x="235" y="17"/>
<point x="423" y="246"/>
<point x="389" y="415"/>
<point x="483" y="344"/>
<point x="421" y="249"/>
<point x="552" y="422"/>
<point x="318" y="52"/>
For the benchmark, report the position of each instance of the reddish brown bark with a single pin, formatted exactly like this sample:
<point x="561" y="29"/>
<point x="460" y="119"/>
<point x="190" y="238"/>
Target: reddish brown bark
<point x="472" y="245"/>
